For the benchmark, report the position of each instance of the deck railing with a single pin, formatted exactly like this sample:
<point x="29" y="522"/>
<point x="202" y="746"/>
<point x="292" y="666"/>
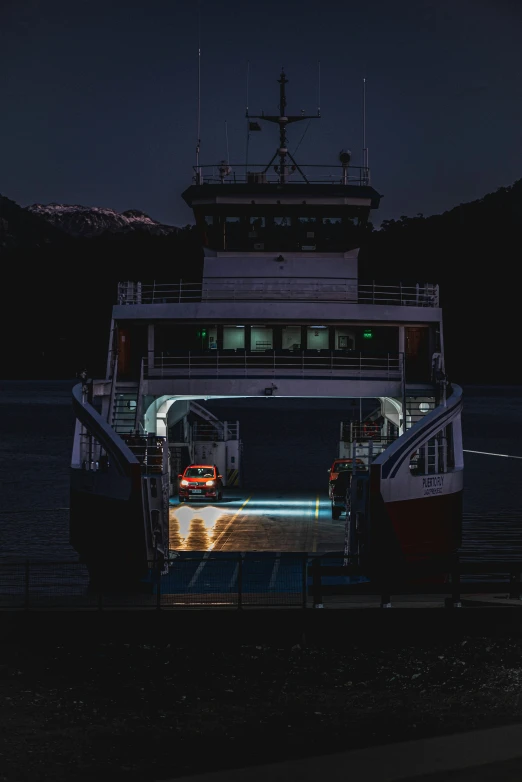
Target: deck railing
<point x="417" y="295"/>
<point x="273" y="363"/>
<point x="261" y="174"/>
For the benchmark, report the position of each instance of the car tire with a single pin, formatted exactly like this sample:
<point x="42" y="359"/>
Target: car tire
<point x="182" y="499"/>
<point x="336" y="513"/>
<point x="219" y="498"/>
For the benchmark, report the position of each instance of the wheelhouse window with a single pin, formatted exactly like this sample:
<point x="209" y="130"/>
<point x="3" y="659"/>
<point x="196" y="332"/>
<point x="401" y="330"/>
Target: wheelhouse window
<point x="344" y="339"/>
<point x="256" y="232"/>
<point x="291" y="338"/>
<point x="332" y="233"/>
<point x="232" y="230"/>
<point x="306" y="233"/>
<point x="171" y="340"/>
<point x="212" y="338"/>
<point x="317" y="338"/>
<point x="377" y="339"/>
<point x="261" y="338"/>
<point x="233" y="337"/>
<point x="282" y="237"/>
<point x="211" y="231"/>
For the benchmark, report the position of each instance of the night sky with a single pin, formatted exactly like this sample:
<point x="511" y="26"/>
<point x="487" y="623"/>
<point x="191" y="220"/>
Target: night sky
<point x="99" y="97"/>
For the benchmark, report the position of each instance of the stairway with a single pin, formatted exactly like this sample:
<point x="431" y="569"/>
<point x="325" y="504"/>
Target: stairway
<point x="125" y="408"/>
<point x="413" y="414"/>
<point x="207" y="416"/>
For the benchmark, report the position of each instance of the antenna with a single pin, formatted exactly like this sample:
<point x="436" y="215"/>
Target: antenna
<point x="248" y="123"/>
<point x="319" y="89"/>
<point x="198" y="143"/>
<point x="247" y="81"/>
<point x="365" y="148"/>
<point x="226" y="139"/>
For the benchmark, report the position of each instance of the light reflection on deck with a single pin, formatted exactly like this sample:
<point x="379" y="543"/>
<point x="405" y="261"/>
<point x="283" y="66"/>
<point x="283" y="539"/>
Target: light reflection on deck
<point x="260" y="521"/>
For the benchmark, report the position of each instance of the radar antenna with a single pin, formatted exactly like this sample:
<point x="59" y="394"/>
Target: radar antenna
<point x="283" y="120"/>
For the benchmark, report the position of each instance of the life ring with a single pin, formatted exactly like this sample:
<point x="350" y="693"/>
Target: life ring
<point x="371" y="430"/>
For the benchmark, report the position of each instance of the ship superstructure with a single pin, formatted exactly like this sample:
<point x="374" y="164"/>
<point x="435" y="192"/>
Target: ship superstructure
<point x="279" y="312"/>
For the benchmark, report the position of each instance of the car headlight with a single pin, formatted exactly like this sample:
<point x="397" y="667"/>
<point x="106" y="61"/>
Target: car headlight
<point x="184" y="483"/>
<point x="209" y="483"/>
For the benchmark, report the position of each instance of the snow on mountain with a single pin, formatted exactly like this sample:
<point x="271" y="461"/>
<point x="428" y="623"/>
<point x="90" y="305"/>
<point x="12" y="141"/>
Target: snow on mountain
<point x="77" y="220"/>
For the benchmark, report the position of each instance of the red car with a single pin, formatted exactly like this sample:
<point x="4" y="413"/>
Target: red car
<point x="200" y="482"/>
<point x="339" y="465"/>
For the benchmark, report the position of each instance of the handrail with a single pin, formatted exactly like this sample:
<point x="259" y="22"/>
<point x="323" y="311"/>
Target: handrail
<point x="272" y="361"/>
<point x="139" y="400"/>
<point x="112" y="395"/>
<point x="274" y="289"/>
<point x="104" y="434"/>
<point x="260" y="173"/>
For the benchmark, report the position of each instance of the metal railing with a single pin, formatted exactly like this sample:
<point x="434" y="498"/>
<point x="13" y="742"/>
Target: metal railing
<point x="417" y="295"/>
<point x="273" y="363"/>
<point x="206" y="431"/>
<point x="260" y="173"/>
<point x="150" y="455"/>
<point x="149" y="450"/>
<point x="242" y="580"/>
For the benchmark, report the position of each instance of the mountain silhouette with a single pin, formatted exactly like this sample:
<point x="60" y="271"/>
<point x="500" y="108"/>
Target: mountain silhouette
<point x="61" y="288"/>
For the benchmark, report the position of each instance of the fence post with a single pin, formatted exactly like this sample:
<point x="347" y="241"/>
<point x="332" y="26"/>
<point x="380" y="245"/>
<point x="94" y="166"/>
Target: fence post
<point x="305" y="581"/>
<point x="26" y="585"/>
<point x="316" y="581"/>
<point x="240" y="583"/>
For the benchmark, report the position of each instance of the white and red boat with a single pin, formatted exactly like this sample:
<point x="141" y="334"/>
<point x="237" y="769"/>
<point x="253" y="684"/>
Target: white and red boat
<point x="280" y="310"/>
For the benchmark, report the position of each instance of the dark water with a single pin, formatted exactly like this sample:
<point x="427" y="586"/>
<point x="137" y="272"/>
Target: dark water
<point x="283" y="447"/>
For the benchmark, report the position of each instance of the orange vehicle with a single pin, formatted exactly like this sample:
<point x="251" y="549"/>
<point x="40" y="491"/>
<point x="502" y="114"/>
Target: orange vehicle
<point x="200" y="482"/>
<point x="339" y="465"/>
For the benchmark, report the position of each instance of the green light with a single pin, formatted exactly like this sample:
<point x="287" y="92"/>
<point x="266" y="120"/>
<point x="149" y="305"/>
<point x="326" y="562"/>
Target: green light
<point x="367" y="334"/>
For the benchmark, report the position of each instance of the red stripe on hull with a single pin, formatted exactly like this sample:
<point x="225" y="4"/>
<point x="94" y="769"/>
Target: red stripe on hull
<point x="428" y="526"/>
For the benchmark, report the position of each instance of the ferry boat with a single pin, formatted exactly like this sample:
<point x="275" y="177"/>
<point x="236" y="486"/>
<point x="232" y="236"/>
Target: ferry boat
<point x="279" y="311"/>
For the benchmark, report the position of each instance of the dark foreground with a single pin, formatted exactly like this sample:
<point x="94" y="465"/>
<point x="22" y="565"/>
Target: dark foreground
<point x="81" y="704"/>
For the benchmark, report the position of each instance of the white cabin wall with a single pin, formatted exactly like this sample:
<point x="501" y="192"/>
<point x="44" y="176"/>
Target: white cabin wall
<point x="260" y="266"/>
<point x="212" y="453"/>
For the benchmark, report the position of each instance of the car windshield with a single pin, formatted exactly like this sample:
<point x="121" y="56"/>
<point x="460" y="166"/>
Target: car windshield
<point x="199" y="472"/>
<point x="340" y="466"/>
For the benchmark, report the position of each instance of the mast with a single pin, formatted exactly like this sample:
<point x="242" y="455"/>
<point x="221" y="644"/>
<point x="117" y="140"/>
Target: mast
<point x="283" y="120"/>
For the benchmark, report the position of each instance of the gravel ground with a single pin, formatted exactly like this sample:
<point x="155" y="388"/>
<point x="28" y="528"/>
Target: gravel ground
<point x="147" y="712"/>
